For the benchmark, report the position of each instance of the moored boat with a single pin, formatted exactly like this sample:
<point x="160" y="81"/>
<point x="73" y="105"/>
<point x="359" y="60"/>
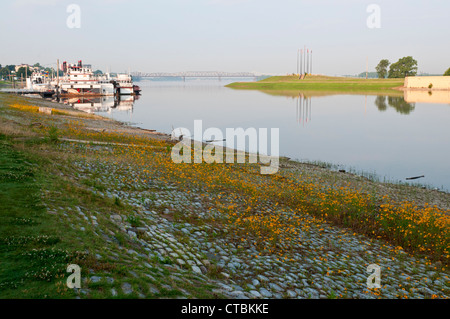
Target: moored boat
<point x="38" y="81"/>
<point x="123" y="84"/>
<point x="79" y="80"/>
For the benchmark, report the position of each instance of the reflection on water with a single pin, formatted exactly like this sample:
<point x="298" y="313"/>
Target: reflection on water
<point x="303" y="106"/>
<point x="303" y="109"/>
<point x="103" y="104"/>
<point x="382" y="102"/>
<point x="426" y="96"/>
<point x="392" y="136"/>
<point x="398" y="103"/>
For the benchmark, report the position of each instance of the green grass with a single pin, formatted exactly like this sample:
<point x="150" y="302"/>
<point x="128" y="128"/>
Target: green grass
<point x="32" y="256"/>
<point x="322" y="83"/>
<point x="4" y="84"/>
<point x="36" y="247"/>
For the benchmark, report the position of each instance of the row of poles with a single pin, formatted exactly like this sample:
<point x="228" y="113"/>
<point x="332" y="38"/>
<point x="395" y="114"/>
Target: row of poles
<point x="304" y="61"/>
<point x="303" y="109"/>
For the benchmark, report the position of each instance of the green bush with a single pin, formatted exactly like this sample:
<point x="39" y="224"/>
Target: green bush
<point x="53" y="134"/>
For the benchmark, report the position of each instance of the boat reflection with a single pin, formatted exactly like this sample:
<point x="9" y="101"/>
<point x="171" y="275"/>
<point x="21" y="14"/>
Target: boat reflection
<point x="102" y="104"/>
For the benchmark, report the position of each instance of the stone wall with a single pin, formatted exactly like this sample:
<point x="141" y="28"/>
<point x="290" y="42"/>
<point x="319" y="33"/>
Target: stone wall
<point x="423" y="82"/>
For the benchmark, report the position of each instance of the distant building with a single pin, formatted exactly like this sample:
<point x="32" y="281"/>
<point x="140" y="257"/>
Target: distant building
<point x="30" y="68"/>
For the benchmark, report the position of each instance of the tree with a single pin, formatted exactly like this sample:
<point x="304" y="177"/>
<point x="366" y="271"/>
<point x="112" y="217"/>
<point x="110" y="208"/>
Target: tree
<point x="4" y="72"/>
<point x="22" y="72"/>
<point x="382" y="68"/>
<point x="98" y="72"/>
<point x="50" y="70"/>
<point x="447" y="73"/>
<point x="404" y="67"/>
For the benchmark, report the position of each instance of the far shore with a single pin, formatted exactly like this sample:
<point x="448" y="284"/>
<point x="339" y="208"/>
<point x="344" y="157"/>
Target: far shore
<point x="321" y="83"/>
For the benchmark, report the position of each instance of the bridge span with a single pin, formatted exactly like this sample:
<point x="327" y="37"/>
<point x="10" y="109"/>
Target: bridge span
<point x="196" y="74"/>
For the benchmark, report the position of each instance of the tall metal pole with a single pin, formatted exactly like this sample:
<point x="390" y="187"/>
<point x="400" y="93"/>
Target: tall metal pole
<point x="307" y="62"/>
<point x="297" y="60"/>
<point x="303" y="60"/>
<point x="57" y="77"/>
<point x="310" y="66"/>
<point x="301" y="64"/>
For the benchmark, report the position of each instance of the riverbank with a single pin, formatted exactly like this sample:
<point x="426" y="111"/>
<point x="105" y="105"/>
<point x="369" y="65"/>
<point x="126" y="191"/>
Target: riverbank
<point x="108" y="197"/>
<point x="319" y="83"/>
<point x="5" y="84"/>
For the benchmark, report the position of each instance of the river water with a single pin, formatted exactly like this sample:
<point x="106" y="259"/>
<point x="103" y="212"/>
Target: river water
<point x="387" y="138"/>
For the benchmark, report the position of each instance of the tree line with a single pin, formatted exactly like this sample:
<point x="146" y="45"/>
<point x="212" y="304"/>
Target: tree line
<point x="23" y="72"/>
<point x="404" y="67"/>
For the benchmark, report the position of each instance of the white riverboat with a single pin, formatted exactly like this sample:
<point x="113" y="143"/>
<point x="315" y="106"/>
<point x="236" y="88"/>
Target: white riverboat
<point x="79" y="80"/>
<point x="123" y="84"/>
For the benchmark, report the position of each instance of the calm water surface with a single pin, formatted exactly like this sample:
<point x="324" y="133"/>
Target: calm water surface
<point x="378" y="135"/>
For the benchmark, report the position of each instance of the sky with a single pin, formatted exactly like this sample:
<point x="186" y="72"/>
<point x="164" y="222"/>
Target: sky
<point x="226" y="35"/>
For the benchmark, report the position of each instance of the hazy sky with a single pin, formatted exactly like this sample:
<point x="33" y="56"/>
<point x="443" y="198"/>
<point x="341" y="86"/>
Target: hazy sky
<point x="226" y="35"/>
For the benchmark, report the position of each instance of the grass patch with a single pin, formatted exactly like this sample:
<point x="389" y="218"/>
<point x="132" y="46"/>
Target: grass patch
<point x="30" y="251"/>
<point x="321" y="83"/>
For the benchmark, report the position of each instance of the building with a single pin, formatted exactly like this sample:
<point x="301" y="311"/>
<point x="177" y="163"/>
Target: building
<point x="30" y="68"/>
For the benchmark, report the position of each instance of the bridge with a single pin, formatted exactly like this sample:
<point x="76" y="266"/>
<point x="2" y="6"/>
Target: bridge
<point x="196" y="74"/>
